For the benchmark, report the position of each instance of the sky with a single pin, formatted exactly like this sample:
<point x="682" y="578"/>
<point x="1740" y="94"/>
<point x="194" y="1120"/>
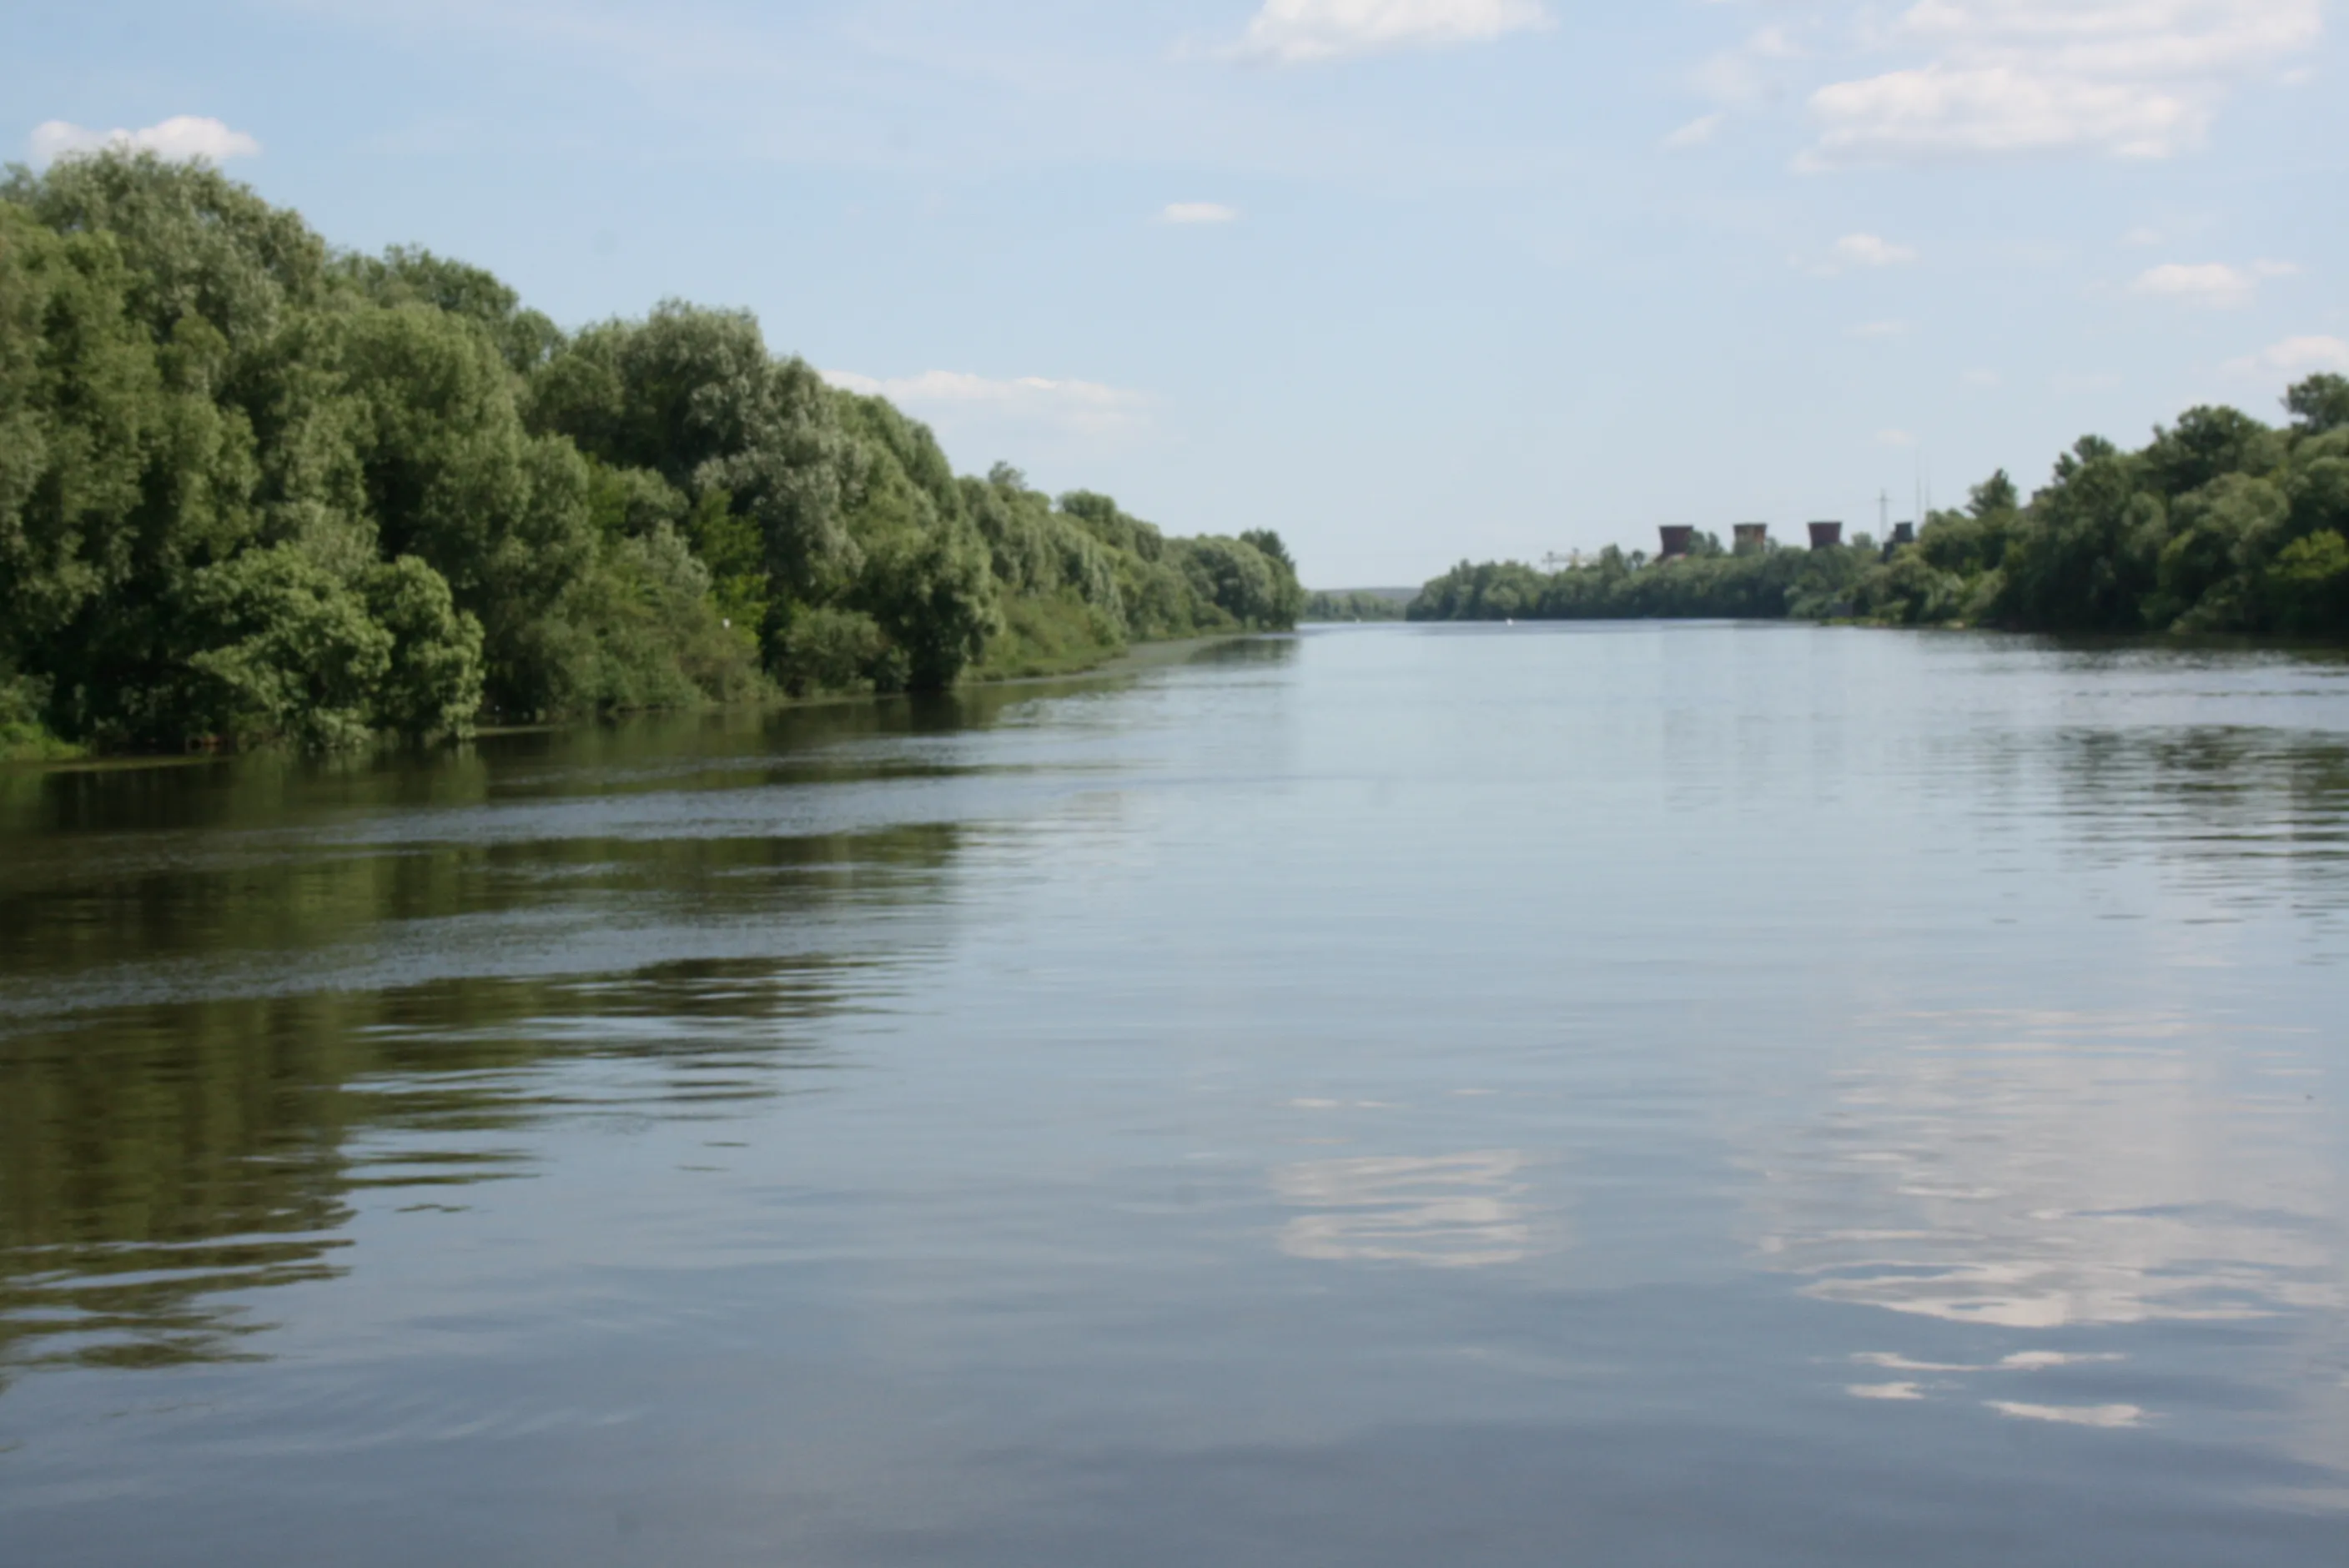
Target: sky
<point x="1410" y="281"/>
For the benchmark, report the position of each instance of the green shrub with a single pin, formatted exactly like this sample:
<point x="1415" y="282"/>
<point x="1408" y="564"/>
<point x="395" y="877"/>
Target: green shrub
<point x="826" y="650"/>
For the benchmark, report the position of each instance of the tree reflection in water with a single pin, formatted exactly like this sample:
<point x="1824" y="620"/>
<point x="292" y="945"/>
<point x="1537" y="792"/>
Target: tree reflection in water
<point x="163" y="1164"/>
<point x="202" y="1065"/>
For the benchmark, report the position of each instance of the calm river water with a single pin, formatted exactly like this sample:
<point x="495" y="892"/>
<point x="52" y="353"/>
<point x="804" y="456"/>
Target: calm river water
<point x="1613" y="1095"/>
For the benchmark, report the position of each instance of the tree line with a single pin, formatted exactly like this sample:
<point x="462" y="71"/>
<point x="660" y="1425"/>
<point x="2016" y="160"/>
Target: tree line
<point x="2219" y="524"/>
<point x="1352" y="604"/>
<point x="255" y="489"/>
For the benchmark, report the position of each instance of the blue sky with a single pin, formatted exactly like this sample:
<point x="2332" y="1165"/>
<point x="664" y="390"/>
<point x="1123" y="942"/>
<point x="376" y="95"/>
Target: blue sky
<point x="1408" y="280"/>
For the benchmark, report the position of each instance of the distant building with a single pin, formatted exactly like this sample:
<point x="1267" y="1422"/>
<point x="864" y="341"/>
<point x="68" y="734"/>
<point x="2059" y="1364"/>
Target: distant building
<point x="1677" y="537"/>
<point x="1752" y="538"/>
<point x="1825" y="535"/>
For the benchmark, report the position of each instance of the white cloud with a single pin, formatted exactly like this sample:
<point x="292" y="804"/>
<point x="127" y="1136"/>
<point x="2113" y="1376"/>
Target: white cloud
<point x="2125" y="37"/>
<point x="1895" y="438"/>
<point x="1880" y="330"/>
<point x="1696" y="133"/>
<point x="183" y="137"/>
<point x="2210" y="283"/>
<point x="1856" y="250"/>
<point x="1299" y="32"/>
<point x="1198" y="212"/>
<point x="2293" y="357"/>
<point x="2126" y="78"/>
<point x="1087" y="406"/>
<point x="2213" y="283"/>
<point x="1943" y="112"/>
<point x="1871" y="251"/>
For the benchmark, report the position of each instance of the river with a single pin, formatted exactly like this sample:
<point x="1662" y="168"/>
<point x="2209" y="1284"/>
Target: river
<point x="1473" y="1095"/>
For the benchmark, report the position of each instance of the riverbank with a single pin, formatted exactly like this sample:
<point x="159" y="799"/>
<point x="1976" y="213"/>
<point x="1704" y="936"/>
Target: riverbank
<point x="42" y="752"/>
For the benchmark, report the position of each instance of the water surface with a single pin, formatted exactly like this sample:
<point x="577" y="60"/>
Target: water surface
<point x="1628" y="1094"/>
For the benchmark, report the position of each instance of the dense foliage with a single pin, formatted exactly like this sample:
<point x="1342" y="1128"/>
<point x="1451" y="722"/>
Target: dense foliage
<point x="2220" y="524"/>
<point x="1355" y="605"/>
<point x="255" y="489"/>
<point x="1708" y="582"/>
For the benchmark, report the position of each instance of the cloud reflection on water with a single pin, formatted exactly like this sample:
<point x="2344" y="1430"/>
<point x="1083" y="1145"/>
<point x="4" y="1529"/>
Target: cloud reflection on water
<point x="2106" y="1416"/>
<point x="2035" y="1178"/>
<point x="2051" y="1172"/>
<point x="1454" y="1211"/>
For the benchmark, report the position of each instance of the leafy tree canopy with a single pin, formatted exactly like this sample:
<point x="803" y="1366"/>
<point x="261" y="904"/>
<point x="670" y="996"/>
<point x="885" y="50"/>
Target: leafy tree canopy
<point x="255" y="489"/>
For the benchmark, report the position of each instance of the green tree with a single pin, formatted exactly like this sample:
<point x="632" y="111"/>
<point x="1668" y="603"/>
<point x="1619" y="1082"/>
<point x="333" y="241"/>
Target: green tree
<point x="287" y="652"/>
<point x="254" y="490"/>
<point x="2313" y="583"/>
<point x="431" y="684"/>
<point x="406" y="274"/>
<point x="2320" y="404"/>
<point x="933" y="596"/>
<point x="693" y="395"/>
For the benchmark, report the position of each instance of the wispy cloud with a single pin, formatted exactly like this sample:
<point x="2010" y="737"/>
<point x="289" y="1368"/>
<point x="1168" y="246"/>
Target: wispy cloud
<point x="1881" y="331"/>
<point x="183" y="137"/>
<point x="1085" y="406"/>
<point x="1302" y="32"/>
<point x="1739" y="80"/>
<point x="2213" y="283"/>
<point x="1198" y="212"/>
<point x="1750" y="73"/>
<point x="2124" y="78"/>
<point x="2293" y="357"/>
<point x="1871" y="251"/>
<point x="1857" y="253"/>
<point x="1696" y="132"/>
